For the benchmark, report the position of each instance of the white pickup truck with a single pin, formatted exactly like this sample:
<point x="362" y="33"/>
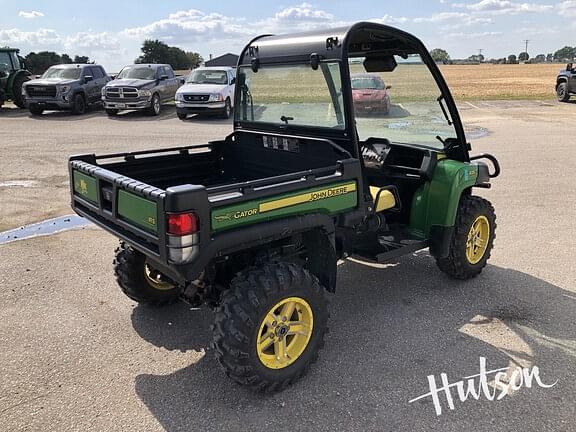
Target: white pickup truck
<point x="207" y="90"/>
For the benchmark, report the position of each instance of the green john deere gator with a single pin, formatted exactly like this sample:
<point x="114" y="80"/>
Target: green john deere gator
<point x="255" y="224"/>
<point x="13" y="74"/>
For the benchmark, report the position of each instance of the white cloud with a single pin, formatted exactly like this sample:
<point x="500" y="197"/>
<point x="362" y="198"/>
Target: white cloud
<point x="567" y="8"/>
<point x="504" y="7"/>
<point x="460" y="18"/>
<point x="303" y="12"/>
<point x="40" y="37"/>
<point x="30" y="15"/>
<point x="463" y="35"/>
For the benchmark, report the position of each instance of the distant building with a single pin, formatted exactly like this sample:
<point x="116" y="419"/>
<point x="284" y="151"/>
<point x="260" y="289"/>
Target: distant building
<point x="224" y="60"/>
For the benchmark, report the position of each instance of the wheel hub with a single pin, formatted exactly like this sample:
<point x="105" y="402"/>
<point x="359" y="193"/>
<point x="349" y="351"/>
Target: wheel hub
<point x="284" y="333"/>
<point x="478" y="238"/>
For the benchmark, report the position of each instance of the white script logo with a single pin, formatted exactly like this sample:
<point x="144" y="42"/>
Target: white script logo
<point x="467" y="386"/>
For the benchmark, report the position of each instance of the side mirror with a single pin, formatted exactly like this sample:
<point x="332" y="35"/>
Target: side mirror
<point x="163" y="77"/>
<point x="380" y="64"/>
<point x="233" y="81"/>
<point x="88" y="78"/>
<point x="388" y="87"/>
<point x="569" y="67"/>
<point x="182" y="80"/>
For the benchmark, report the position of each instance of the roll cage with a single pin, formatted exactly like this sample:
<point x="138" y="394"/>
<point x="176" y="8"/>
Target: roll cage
<point x="364" y="39"/>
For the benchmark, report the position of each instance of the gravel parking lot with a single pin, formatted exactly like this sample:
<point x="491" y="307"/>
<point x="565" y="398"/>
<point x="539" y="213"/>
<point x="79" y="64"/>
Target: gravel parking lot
<point x="77" y="355"/>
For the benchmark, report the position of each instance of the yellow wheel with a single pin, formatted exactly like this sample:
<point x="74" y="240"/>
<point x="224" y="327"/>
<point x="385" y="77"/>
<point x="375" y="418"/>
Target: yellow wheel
<point x="270" y="326"/>
<point x="478" y="238"/>
<point x="140" y="281"/>
<point x="285" y="332"/>
<point x="471" y="244"/>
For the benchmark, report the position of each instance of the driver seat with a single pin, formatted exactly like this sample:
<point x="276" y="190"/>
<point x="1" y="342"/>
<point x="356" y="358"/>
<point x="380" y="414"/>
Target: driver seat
<point x="383" y="197"/>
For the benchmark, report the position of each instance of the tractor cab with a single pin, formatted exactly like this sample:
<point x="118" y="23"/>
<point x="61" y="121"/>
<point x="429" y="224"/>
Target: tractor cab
<point x="375" y="92"/>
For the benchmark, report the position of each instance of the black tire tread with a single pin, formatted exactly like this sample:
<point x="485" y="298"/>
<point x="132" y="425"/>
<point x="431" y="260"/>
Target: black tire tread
<point x="17" y="91"/>
<point x="128" y="269"/>
<point x="234" y="321"/>
<point x="456" y="264"/>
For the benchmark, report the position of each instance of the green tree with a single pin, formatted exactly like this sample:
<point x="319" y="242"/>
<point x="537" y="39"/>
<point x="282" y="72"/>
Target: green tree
<point x="565" y="54"/>
<point x="440" y="56"/>
<point x="523" y="56"/>
<point x="177" y="58"/>
<point x="82" y="59"/>
<point x="512" y="59"/>
<point x="153" y="51"/>
<point x="540" y="58"/>
<point x="195" y="59"/>
<point x="65" y="58"/>
<point x="37" y="63"/>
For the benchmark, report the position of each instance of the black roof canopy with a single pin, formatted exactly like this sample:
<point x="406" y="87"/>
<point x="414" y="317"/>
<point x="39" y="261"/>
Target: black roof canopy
<point x="361" y="39"/>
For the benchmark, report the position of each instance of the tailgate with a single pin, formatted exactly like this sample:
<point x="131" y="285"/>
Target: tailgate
<point x="123" y="206"/>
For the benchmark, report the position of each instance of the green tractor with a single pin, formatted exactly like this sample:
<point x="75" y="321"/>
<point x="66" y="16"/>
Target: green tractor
<point x="13" y="74"/>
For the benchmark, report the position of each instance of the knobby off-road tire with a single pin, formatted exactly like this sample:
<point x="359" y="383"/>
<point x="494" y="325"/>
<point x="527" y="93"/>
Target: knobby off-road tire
<point x="562" y="92"/>
<point x="243" y="321"/>
<point x="227" y="111"/>
<point x="17" y="91"/>
<point x="140" y="282"/>
<point x="475" y="220"/>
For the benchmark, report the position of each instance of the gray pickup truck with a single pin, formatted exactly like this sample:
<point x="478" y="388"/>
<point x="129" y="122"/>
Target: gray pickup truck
<point x="69" y="87"/>
<point x="566" y="83"/>
<point x="141" y="87"/>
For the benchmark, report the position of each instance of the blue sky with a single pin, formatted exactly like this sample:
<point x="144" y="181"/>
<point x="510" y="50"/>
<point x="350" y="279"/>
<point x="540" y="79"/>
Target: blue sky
<point x="111" y="32"/>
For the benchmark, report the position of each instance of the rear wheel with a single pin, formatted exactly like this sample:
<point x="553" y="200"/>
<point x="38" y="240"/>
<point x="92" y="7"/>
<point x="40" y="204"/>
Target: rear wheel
<point x="562" y="92"/>
<point x="79" y="104"/>
<point x="35" y="110"/>
<point x="111" y="112"/>
<point x="139" y="280"/>
<point x="270" y="326"/>
<point x="18" y="97"/>
<point x="155" y="105"/>
<point x="473" y="238"/>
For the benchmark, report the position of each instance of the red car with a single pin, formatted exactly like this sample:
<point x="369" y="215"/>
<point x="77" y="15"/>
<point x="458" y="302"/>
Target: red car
<point x="370" y="94"/>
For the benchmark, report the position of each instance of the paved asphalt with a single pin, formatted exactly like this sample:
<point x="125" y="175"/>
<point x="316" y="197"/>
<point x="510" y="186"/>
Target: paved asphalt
<point x="77" y="355"/>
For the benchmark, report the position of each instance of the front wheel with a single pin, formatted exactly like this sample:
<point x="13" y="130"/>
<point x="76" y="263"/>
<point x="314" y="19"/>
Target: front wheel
<point x="111" y="112"/>
<point x="139" y="280"/>
<point x="35" y="110"/>
<point x="155" y="105"/>
<point x="79" y="104"/>
<point x="562" y="92"/>
<point x="17" y="91"/>
<point x="227" y="111"/>
<point x="182" y="116"/>
<point x="473" y="238"/>
<point x="270" y="326"/>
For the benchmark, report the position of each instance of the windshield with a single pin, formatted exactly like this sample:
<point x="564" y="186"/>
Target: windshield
<point x="62" y="73"/>
<point x="409" y="112"/>
<point x="138" y="72"/>
<point x="292" y="95"/>
<point x="205" y="76"/>
<point x="367" y="83"/>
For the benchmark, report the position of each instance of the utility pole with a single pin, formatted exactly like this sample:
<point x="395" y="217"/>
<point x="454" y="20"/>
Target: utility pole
<point x="480" y="50"/>
<point x="526" y="42"/>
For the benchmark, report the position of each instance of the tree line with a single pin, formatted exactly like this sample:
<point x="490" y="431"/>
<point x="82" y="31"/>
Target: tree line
<point x="566" y="54"/>
<point x="153" y="51"/>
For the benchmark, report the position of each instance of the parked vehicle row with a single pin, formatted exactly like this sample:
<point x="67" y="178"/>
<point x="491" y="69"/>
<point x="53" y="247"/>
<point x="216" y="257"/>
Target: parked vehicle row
<point x="145" y="87"/>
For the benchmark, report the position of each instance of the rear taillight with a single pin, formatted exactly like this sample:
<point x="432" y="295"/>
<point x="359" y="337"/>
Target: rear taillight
<point x="182" y="223"/>
<point x="182" y="237"/>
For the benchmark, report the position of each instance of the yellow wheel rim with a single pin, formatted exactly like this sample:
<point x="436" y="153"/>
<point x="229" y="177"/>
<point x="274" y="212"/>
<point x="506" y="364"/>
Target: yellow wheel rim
<point x="478" y="238"/>
<point x="284" y="333"/>
<point x="155" y="279"/>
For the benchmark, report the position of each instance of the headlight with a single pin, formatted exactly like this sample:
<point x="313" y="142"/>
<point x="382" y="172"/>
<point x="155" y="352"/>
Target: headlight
<point x="180" y="96"/>
<point x="144" y="93"/>
<point x="64" y="89"/>
<point x="216" y="97"/>
<point x="103" y="91"/>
